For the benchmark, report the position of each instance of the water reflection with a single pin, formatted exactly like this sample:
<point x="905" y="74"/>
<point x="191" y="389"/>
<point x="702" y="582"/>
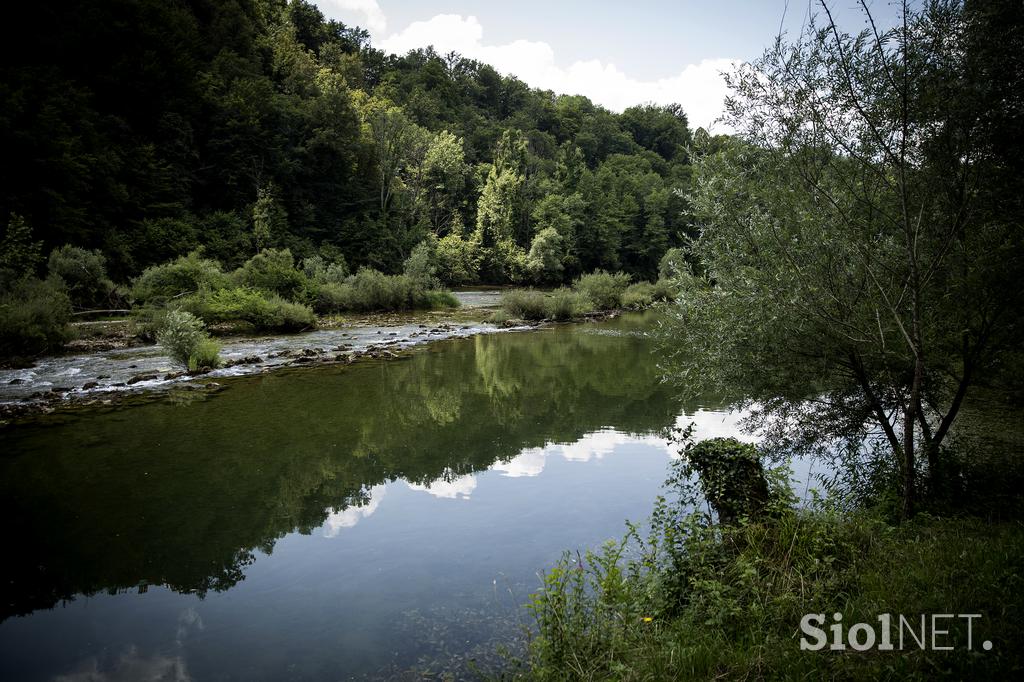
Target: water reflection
<point x="350" y="516"/>
<point x="448" y="486"/>
<point x="185" y="494"/>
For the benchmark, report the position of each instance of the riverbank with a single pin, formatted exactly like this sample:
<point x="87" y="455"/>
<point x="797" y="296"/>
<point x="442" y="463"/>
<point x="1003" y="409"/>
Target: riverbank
<point x="765" y="599"/>
<point x="114" y="368"/>
<point x="746" y="596"/>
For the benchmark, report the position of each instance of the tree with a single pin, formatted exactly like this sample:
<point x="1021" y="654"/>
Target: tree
<point x="19" y="254"/>
<point x="547" y="252"/>
<point x="861" y="237"/>
<point x="269" y="220"/>
<point x="83" y="272"/>
<point x="445" y="171"/>
<point x="662" y="129"/>
<point x="502" y="211"/>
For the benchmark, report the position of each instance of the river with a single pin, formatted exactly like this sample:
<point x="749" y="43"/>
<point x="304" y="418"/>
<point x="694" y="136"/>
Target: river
<point x="379" y="519"/>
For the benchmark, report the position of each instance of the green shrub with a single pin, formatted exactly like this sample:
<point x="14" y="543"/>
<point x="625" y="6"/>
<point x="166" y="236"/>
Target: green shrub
<point x="603" y="289"/>
<point x="331" y="297"/>
<point x="264" y="312"/>
<point x="34" y="317"/>
<point x="206" y="355"/>
<point x="147" y="320"/>
<point x="181" y="335"/>
<point x="369" y="290"/>
<point x="638" y="296"/>
<point x="565" y="304"/>
<point x="524" y="304"/>
<point x="322" y="271"/>
<point x="439" y="298"/>
<point x="373" y="290"/>
<point x="273" y="271"/>
<point x="84" y="273"/>
<point x="182" y="276"/>
<point x="665" y="290"/>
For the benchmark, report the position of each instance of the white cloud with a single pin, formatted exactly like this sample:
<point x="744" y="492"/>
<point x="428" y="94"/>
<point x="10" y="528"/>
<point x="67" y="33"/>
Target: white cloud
<point x="346" y="518"/>
<point x="699" y="88"/>
<point x="529" y="462"/>
<point x="364" y="13"/>
<point x="455" y="488"/>
<point x="594" y="445"/>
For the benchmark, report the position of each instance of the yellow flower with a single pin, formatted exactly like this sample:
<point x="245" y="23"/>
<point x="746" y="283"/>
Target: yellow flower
<point x="647" y="619"/>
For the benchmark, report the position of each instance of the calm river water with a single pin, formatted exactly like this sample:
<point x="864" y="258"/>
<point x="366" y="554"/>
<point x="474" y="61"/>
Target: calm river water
<point x="382" y="519"/>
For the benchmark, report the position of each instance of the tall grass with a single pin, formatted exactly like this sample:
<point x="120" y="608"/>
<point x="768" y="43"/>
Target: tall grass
<point x="692" y="599"/>
<point x="524" y="304"/>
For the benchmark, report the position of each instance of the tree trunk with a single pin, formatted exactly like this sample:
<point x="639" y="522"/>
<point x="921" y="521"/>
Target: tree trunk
<point x="909" y="419"/>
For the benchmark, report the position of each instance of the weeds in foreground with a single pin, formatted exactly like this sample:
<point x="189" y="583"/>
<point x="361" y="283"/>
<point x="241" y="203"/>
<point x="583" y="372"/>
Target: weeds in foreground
<point x="689" y="598"/>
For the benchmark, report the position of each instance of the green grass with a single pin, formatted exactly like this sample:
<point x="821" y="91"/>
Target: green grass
<point x="733" y="610"/>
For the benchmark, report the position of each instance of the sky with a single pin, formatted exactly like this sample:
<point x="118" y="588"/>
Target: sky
<point x="616" y="53"/>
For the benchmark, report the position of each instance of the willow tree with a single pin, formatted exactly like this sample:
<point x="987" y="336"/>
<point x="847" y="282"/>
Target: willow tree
<point x="861" y="234"/>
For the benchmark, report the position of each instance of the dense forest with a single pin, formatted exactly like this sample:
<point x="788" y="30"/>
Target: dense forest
<point x="147" y="128"/>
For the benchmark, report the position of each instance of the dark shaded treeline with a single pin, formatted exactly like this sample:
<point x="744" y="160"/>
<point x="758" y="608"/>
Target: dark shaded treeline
<point x="145" y="128"/>
<point x="183" y="494"/>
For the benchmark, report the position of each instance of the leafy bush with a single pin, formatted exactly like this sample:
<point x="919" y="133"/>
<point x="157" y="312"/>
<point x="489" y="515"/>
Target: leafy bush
<point x="206" y="355"/>
<point x="264" y="312"/>
<point x="273" y="271"/>
<point x="665" y="290"/>
<point x="644" y="294"/>
<point x="565" y="304"/>
<point x="331" y="297"/>
<point x="638" y="296"/>
<point x="183" y="275"/>
<point x="373" y="290"/>
<point x="322" y="271"/>
<point x="369" y="290"/>
<point x="603" y="289"/>
<point x="524" y="304"/>
<point x="84" y="274"/>
<point x="146" y="321"/>
<point x="34" y="318"/>
<point x="184" y="338"/>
